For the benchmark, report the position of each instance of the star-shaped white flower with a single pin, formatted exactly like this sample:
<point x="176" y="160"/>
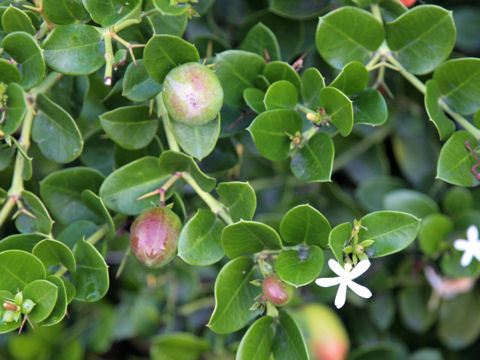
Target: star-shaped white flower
<point x="470" y="247"/>
<point x="345" y="279"/>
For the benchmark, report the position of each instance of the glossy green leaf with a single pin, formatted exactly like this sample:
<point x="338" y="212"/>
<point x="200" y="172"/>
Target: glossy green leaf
<point x="96" y="205"/>
<point x="44" y="294"/>
<point x="352" y="79"/>
<point x="7" y="327"/>
<point x="370" y="193"/>
<point x="457" y="199"/>
<point x="234" y="295"/>
<point x="171" y="25"/>
<point x="70" y="290"/>
<point x="297" y="9"/>
<point x="165" y="52"/>
<point x="53" y="252"/>
<point x="249" y="237"/>
<point x="177" y="345"/>
<point x="304" y="224"/>
<point x="314" y="161"/>
<point x="410" y="201"/>
<point x="413" y="308"/>
<point x="455" y="162"/>
<point x="289" y="342"/>
<point x="123" y="156"/>
<point x="16" y="107"/>
<point x="391" y="231"/>
<point x="237" y="71"/>
<point x="257" y="341"/>
<point x="312" y="83"/>
<point x="434" y="230"/>
<point x="131" y="127"/>
<point x="55" y="132"/>
<point x="137" y="84"/>
<point x="370" y="108"/>
<point x="339" y="109"/>
<point x="171" y="162"/>
<point x="281" y="94"/>
<point x="121" y="188"/>
<point x="348" y="34"/>
<point x="91" y="276"/>
<point x="60" y="309"/>
<point x="422" y="38"/>
<point x="24" y="242"/>
<point x="75" y="49"/>
<point x="62" y="12"/>
<point x="41" y="222"/>
<point x="261" y="40"/>
<point x="444" y="125"/>
<point x="300" y="267"/>
<point x="62" y="193"/>
<point x="269" y="131"/>
<point x="458" y="81"/>
<point x="254" y="98"/>
<point x="200" y="241"/>
<point x="18" y="268"/>
<point x="9" y="72"/>
<point x="169" y="8"/>
<point x="23" y="48"/>
<point x="14" y="19"/>
<point x="337" y="239"/>
<point x="110" y="12"/>
<point x="279" y="70"/>
<point x="239" y="198"/>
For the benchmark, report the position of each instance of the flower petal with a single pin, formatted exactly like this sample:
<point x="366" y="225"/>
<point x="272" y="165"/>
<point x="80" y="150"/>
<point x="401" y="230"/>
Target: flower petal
<point x="466" y="258"/>
<point x="360" y="290"/>
<point x="327" y="282"/>
<point x="461" y="244"/>
<point x="341" y="295"/>
<point x="359" y="269"/>
<point x="336" y="268"/>
<point x="472" y="234"/>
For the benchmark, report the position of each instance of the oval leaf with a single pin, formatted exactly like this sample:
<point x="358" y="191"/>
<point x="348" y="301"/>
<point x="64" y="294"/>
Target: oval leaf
<point x="300" y="267"/>
<point x="19" y="268"/>
<point x="281" y="94"/>
<point x="53" y="252"/>
<point x="40" y="222"/>
<point x="289" y="342"/>
<point x="257" y="341"/>
<point x="339" y="109"/>
<point x="240" y="199"/>
<point x="44" y="294"/>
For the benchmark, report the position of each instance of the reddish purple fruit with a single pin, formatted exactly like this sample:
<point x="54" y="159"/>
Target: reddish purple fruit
<point x="276" y="291"/>
<point x="192" y="94"/>
<point x="154" y="236"/>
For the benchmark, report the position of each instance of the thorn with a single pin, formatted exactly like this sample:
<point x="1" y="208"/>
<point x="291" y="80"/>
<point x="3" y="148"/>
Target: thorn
<point x="298" y="64"/>
<point x="267" y="56"/>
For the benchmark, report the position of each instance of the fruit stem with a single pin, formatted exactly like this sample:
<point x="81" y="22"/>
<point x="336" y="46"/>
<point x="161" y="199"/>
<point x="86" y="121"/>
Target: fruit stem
<point x="212" y="203"/>
<point x="162" y="112"/>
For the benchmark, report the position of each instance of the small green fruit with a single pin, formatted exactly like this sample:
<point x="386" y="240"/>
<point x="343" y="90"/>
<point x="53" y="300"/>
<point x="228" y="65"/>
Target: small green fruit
<point x="192" y="94"/>
<point x="154" y="236"/>
<point x="276" y="291"/>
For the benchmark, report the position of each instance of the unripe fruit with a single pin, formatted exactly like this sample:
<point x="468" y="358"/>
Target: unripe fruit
<point x="154" y="236"/>
<point x="276" y="291"/>
<point x="192" y="94"/>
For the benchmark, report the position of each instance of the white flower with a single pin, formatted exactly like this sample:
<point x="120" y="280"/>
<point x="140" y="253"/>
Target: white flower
<point x="470" y="247"/>
<point x="344" y="279"/>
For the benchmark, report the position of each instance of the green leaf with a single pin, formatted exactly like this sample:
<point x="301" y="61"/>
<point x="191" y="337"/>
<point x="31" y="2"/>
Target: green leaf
<point x="370" y="193"/>
<point x="75" y="49"/>
<point x="312" y="83"/>
<point x="131" y="127"/>
<point x="121" y="188"/>
<point x="254" y="98"/>
<point x="279" y="70"/>
<point x="304" y="224"/>
<point x="392" y="232"/>
<point x="176" y="346"/>
<point x="457" y="199"/>
<point x="137" y="84"/>
<point x="239" y="198"/>
<point x="458" y="81"/>
<point x="370" y="108"/>
<point x="96" y="205"/>
<point x="23" y="48"/>
<point x="261" y="39"/>
<point x="237" y="71"/>
<point x="381" y="310"/>
<point x="348" y="34"/>
<point x="171" y="162"/>
<point x="257" y="341"/>
<point x="171" y="25"/>
<point x="455" y="162"/>
<point x="426" y="354"/>
<point x="14" y="19"/>
<point x="281" y="94"/>
<point x="7" y="327"/>
<point x="200" y="241"/>
<point x="62" y="193"/>
<point x="44" y="294"/>
<point x="60" y="309"/>
<point x="413" y="308"/>
<point x="451" y="267"/>
<point x="53" y="252"/>
<point x="314" y="161"/>
<point x="9" y="72"/>
<point x="337" y="239"/>
<point x="339" y="109"/>
<point x="91" y="276"/>
<point x="422" y="38"/>
<point x="434" y="230"/>
<point x="165" y="52"/>
<point x="18" y="268"/>
<point x="352" y="79"/>
<point x="300" y="267"/>
<point x="55" y="132"/>
<point x="297" y="9"/>
<point x="70" y="290"/>
<point x="20" y="242"/>
<point x="249" y="237"/>
<point x="289" y="342"/>
<point x="167" y="9"/>
<point x="123" y="156"/>
<point x="269" y="131"/>
<point x="110" y="12"/>
<point x="16" y="107"/>
<point x="444" y="125"/>
<point x="42" y="222"/>
<point x="410" y="201"/>
<point x="197" y="141"/>
<point x="234" y="295"/>
<point x="62" y="12"/>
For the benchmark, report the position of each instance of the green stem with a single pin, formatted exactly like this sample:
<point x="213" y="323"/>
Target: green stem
<point x="212" y="203"/>
<point x="377" y="13"/>
<point x="162" y="112"/>
<point x="108" y="57"/>
<point x="410" y="77"/>
<point x="373" y="62"/>
<point x="46" y="84"/>
<point x="305" y="109"/>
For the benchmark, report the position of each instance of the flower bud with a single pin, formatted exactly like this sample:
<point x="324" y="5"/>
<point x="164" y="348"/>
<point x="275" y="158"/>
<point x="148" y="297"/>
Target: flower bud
<point x="27" y="306"/>
<point x="154" y="236"/>
<point x="276" y="291"/>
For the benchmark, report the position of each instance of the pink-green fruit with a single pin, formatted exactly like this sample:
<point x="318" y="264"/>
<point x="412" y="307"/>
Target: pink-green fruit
<point x="326" y="336"/>
<point x="154" y="236"/>
<point x="192" y="94"/>
<point x="276" y="291"/>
